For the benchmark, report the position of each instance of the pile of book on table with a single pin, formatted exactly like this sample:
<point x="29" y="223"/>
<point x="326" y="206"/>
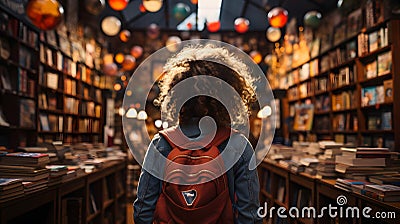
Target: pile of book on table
<point x="29" y="167"/>
<point x="326" y="164"/>
<point x="10" y="188"/>
<point x="381" y="192"/>
<point x="364" y="163"/>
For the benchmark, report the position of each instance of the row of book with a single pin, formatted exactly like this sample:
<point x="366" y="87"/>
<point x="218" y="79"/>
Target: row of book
<point x="19" y="30"/>
<point x="328" y="159"/>
<point x="377" y="94"/>
<point x="23" y="84"/>
<point x="373" y="41"/>
<point x="55" y="123"/>
<point x="36" y="168"/>
<point x="380" y="66"/>
<point x="382" y="192"/>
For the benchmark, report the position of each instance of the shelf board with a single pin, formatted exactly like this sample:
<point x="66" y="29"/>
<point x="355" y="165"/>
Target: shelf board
<point x="378" y="132"/>
<point x="374" y="54"/>
<point x="344" y="64"/>
<point x="16" y="93"/>
<point x="266" y="194"/>
<point x="378" y="80"/>
<point x="323" y="112"/>
<point x="50" y="111"/>
<point x="377" y="106"/>
<point x="318" y="93"/>
<point x="344" y="88"/>
<point x="92" y="216"/>
<point x="281" y="204"/>
<point x="344" y="110"/>
<point x="119" y="195"/>
<point x="108" y="203"/>
<point x="344" y="132"/>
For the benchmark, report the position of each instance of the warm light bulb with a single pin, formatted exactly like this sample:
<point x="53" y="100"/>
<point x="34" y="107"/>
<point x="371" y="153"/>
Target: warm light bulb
<point x="132" y="113"/>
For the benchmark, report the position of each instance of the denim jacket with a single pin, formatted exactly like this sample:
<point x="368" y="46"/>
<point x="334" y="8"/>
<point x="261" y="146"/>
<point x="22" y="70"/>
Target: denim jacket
<point x="243" y="183"/>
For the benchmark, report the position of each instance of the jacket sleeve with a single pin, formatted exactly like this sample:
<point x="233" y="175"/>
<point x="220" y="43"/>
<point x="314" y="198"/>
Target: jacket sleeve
<point x="246" y="188"/>
<point x="149" y="186"/>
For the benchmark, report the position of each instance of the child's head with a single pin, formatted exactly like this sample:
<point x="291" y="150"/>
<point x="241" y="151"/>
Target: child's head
<point x="203" y="60"/>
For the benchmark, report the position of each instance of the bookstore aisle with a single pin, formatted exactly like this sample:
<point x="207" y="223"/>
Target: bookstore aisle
<point x="333" y="67"/>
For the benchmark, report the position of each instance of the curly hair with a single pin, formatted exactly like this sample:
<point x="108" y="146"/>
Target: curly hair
<point x="213" y="61"/>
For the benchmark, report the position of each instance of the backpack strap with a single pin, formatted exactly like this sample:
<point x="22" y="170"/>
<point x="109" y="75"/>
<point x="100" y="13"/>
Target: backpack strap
<point x="182" y="140"/>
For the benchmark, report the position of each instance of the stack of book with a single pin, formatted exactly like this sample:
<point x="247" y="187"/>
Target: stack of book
<point x="57" y="172"/>
<point x="43" y="150"/>
<point x="361" y="163"/>
<point x="387" y="193"/>
<point x="326" y="165"/>
<point x="30" y="167"/>
<point x="310" y="165"/>
<point x="10" y="188"/>
<point x="392" y="179"/>
<point x="356" y="186"/>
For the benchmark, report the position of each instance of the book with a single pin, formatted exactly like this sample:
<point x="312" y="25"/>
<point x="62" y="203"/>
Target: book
<point x="385" y="190"/>
<point x="360" y="161"/>
<point x="52" y="80"/>
<point x="9" y="183"/>
<point x="384" y="63"/>
<point x="27" y="113"/>
<point x="380" y="94"/>
<point x="368" y="95"/>
<point x="354" y="22"/>
<point x="303" y="117"/>
<point x="24" y="159"/>
<point x="371" y="70"/>
<point x="386" y="121"/>
<point x="44" y="122"/>
<point x="388" y="90"/>
<point x="5" y="78"/>
<point x="374" y="41"/>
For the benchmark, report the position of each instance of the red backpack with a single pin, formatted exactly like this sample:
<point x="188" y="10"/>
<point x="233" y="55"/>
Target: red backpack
<point x="208" y="202"/>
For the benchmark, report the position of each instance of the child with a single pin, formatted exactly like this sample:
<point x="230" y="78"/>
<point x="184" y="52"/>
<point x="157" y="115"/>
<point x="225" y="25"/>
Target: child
<point x="243" y="186"/>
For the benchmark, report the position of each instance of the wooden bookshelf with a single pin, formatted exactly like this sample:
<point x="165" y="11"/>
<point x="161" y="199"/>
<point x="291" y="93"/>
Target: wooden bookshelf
<point x="49" y="205"/>
<point x="319" y="193"/>
<point x="28" y="55"/>
<point x="346" y="80"/>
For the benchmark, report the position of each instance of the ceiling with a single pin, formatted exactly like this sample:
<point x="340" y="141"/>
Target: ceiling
<point x="254" y="10"/>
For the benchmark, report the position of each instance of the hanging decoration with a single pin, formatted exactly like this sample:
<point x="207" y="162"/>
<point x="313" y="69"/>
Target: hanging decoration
<point x="111" y="25"/>
<point x="172" y="43"/>
<point x="273" y="34"/>
<point x="118" y="5"/>
<point x="241" y="25"/>
<point x="108" y="59"/>
<point x="128" y="63"/>
<point x="94" y="7"/>
<point x="125" y="35"/>
<point x="256" y="56"/>
<point x="278" y="17"/>
<point x="137" y="51"/>
<point x="142" y="8"/>
<point x="110" y="69"/>
<point x="194" y="2"/>
<point x="119" y="58"/>
<point x="181" y="11"/>
<point x="312" y="19"/>
<point x="152" y="5"/>
<point x="45" y="14"/>
<point x="153" y="31"/>
<point x="214" y="26"/>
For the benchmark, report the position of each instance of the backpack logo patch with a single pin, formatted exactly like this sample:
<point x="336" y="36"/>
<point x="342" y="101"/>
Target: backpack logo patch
<point x="189" y="196"/>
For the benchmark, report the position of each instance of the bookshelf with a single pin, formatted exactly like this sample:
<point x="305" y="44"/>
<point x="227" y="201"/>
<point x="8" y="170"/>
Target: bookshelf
<point x="306" y="190"/>
<point x="70" y="202"/>
<point x="51" y="85"/>
<point x="19" y="75"/>
<point x="70" y="93"/>
<point x="352" y="87"/>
